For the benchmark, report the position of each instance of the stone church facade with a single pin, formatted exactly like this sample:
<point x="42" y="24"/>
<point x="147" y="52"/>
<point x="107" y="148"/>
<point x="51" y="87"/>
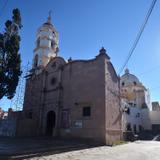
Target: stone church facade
<point x="74" y="98"/>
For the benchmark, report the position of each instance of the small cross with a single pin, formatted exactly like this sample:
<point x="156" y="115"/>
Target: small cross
<point x="49" y="17"/>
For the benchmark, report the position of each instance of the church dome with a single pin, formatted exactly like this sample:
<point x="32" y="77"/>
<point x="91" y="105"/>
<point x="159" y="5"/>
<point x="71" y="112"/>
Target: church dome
<point x="129" y="79"/>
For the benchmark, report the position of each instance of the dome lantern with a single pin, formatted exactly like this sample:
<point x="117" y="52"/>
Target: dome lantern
<point x="126" y="71"/>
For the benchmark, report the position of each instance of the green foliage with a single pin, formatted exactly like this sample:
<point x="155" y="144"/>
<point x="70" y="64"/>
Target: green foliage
<point x="119" y="142"/>
<point x="10" y="60"/>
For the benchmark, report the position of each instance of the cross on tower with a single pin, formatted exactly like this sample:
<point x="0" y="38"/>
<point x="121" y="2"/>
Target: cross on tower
<point x="49" y="17"/>
<point x="50" y="12"/>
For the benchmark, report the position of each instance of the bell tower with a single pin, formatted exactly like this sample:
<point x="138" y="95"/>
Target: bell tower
<point x="47" y="44"/>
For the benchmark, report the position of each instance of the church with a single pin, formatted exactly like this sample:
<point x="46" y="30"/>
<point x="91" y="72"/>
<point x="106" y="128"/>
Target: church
<point x="73" y="98"/>
<point x="136" y="104"/>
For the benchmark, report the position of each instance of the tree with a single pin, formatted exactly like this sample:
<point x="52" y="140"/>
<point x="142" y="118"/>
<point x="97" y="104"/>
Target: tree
<point x="10" y="60"/>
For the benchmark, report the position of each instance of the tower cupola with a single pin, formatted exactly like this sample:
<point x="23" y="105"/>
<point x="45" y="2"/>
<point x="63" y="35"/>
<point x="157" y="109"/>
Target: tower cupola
<point x="47" y="44"/>
<point x="126" y="71"/>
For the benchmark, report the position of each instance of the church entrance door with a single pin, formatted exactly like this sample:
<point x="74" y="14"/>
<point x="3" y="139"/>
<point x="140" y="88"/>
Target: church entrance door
<point x="51" y="121"/>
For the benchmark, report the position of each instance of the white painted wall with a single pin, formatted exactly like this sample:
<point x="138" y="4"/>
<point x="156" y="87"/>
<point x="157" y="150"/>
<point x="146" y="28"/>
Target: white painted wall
<point x="137" y="116"/>
<point x="146" y="122"/>
<point x="46" y="34"/>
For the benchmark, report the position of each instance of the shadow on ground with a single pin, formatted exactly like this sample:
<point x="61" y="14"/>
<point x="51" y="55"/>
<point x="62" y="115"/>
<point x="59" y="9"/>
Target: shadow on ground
<point x="21" y="148"/>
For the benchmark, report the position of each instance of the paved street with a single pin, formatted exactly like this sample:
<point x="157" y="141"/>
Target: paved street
<point x="140" y="150"/>
<point x="21" y="148"/>
<point x="42" y="148"/>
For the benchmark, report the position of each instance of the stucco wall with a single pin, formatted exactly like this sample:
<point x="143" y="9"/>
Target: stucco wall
<point x="78" y="84"/>
<point x="8" y="127"/>
<point x="26" y="127"/>
<point x="146" y="120"/>
<point x="83" y="85"/>
<point x="33" y="101"/>
<point x="33" y="93"/>
<point x="112" y="104"/>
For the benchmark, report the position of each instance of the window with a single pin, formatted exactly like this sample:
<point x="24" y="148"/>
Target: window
<point x="127" y="110"/>
<point x="128" y="127"/>
<point x="134" y="83"/>
<point x="86" y="111"/>
<point x="65" y="118"/>
<point x="38" y="42"/>
<point x="53" y="81"/>
<point x="138" y="115"/>
<point x="54" y="65"/>
<point x="36" y="61"/>
<point x="140" y="128"/>
<point x="134" y="128"/>
<point x="52" y="44"/>
<point x="122" y="83"/>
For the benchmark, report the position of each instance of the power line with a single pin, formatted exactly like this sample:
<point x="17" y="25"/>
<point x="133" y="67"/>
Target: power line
<point x="139" y="34"/>
<point x="141" y="74"/>
<point x="3" y="8"/>
<point x="153" y="89"/>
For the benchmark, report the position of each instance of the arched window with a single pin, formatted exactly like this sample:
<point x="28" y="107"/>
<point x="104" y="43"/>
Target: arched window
<point x="52" y="44"/>
<point x="38" y="42"/>
<point x="53" y="81"/>
<point x="36" y="60"/>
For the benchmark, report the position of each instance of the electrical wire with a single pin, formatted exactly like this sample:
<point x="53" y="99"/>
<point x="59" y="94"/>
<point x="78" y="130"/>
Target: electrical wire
<point x="148" y="71"/>
<point x="138" y="35"/>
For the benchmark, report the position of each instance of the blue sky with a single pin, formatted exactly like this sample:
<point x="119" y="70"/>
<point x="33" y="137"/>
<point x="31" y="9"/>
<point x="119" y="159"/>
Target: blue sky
<point x="85" y="26"/>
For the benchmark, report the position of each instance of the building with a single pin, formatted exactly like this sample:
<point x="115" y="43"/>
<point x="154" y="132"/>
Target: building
<point x="8" y="122"/>
<point x="1" y="113"/>
<point x="74" y="98"/>
<point x="136" y="105"/>
<point x="138" y="113"/>
<point x="155" y="118"/>
<point x="155" y="106"/>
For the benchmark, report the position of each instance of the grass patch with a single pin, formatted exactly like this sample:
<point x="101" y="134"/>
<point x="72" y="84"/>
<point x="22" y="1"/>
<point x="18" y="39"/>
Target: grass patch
<point x="119" y="142"/>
